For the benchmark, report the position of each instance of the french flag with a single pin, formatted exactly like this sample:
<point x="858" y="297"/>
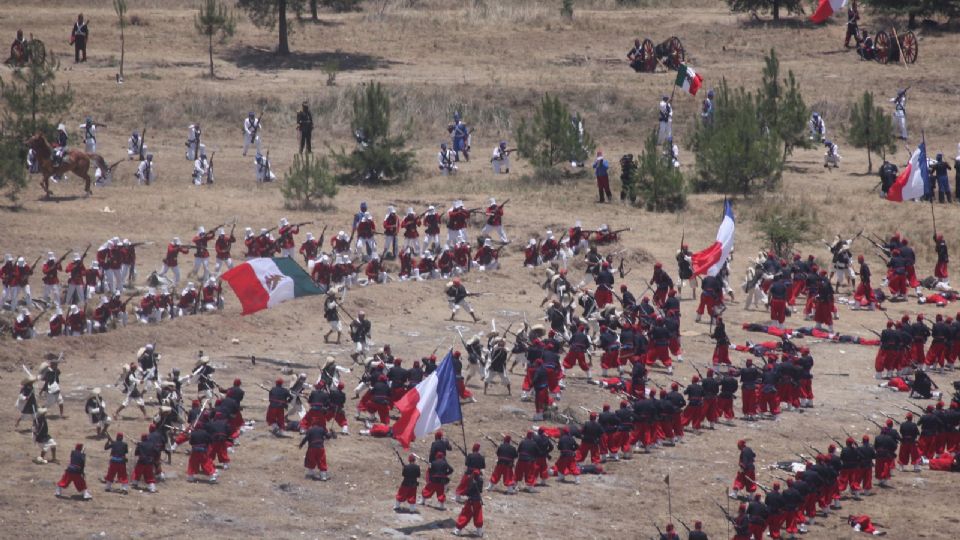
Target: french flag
<point x="434" y="402"/>
<point x="913" y="181"/>
<point x="826" y="9"/>
<point x="710" y="260"/>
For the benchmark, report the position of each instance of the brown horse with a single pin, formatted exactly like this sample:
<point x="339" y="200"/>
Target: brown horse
<point x="74" y="161"/>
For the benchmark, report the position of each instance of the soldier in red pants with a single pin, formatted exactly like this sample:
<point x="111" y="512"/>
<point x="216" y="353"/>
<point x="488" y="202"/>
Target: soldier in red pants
<point x="473" y="507"/>
<point x="746" y="471"/>
<point x="117" y="470"/>
<point x="74" y="473"/>
<point x="407" y="492"/>
<point x="200" y="462"/>
<point x="506" y="456"/>
<point x="315" y="461"/>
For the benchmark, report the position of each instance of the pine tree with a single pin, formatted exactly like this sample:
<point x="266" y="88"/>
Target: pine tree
<point x="379" y="158"/>
<point x="736" y="154"/>
<point x="869" y="128"/>
<point x="781" y="105"/>
<point x="213" y="18"/>
<point x="31" y="104"/>
<point x="551" y="137"/>
<point x="272" y="14"/>
<point x="120" y="8"/>
<point x="308" y="181"/>
<point x="772" y="6"/>
<point x="659" y="184"/>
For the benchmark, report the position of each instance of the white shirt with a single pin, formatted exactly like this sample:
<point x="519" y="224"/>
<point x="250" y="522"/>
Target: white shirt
<point x="249" y="126"/>
<point x="88" y="135"/>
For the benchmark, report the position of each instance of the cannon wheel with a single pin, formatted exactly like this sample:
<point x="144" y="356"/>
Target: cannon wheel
<point x="649" y="62"/>
<point x="36" y="51"/>
<point x="675" y="54"/>
<point x="910" y="47"/>
<point x="882" y="46"/>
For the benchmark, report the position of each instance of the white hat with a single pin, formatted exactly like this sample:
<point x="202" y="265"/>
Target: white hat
<point x="97" y="391"/>
<point x="201" y="230"/>
<point x="532" y="242"/>
<point x="431" y="209"/>
<point x="391" y="210"/>
<point x="493" y="201"/>
<point x="151" y="291"/>
<point x="21" y="261"/>
<point x="95" y="265"/>
<point x="341" y="233"/>
<point x="263" y="230"/>
<point x="577" y="224"/>
<point x="309" y="236"/>
<point x="104" y="300"/>
<point x="410" y="209"/>
<point x="221" y="232"/>
<point x="550" y="234"/>
<point x="284" y="222"/>
<point x="50" y="255"/>
<point x="488" y="243"/>
<point x="176" y="240"/>
<point x="74" y="309"/>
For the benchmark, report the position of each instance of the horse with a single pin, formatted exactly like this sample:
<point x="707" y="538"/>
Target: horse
<point x="74" y="161"/>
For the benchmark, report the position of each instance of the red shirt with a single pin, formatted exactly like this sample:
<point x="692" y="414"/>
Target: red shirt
<point x="365" y="229"/>
<point x="200" y="244"/>
<point x="410" y="224"/>
<point x="173" y="251"/>
<point x="309" y="249"/>
<point x="222" y="246"/>
<point x="76" y="269"/>
<point x="50" y="269"/>
<point x="494" y="215"/>
<point x="286" y="236"/>
<point x="391" y="224"/>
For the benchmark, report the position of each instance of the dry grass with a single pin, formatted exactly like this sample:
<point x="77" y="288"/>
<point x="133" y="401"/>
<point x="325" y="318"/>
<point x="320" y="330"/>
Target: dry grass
<point x="436" y="58"/>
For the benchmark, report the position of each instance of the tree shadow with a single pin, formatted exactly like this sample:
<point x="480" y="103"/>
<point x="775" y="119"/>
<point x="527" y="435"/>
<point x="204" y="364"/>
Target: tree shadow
<point x="267" y="59"/>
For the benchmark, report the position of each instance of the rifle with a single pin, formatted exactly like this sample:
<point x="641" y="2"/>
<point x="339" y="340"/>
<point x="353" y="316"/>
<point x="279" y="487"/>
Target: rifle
<point x="871" y="420"/>
<point x="233" y="227"/>
<point x="895" y="421"/>
<point x="210" y="167"/>
<point x="459" y="448"/>
<point x="33" y="266"/>
<point x="143" y="134"/>
<point x="345" y="312"/>
<point x="61" y="259"/>
<point x="85" y="251"/>
<point x="685" y="526"/>
<point x="266" y="165"/>
<point x="397" y="452"/>
<point x="725" y="513"/>
<point x="871" y="330"/>
<point x="618" y="231"/>
<point x="493" y="442"/>
<point x="302" y="223"/>
<point x="322" y="234"/>
<point x="659" y="532"/>
<point x="696" y="368"/>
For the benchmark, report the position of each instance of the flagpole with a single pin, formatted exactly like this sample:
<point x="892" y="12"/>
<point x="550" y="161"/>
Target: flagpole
<point x="669" y="497"/>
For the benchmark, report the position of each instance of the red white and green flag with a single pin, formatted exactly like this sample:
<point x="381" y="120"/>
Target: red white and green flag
<point x="266" y="282"/>
<point x="689" y="80"/>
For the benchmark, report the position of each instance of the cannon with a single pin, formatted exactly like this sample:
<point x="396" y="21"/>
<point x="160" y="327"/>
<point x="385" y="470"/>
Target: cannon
<point x="888" y="49"/>
<point x="670" y="53"/>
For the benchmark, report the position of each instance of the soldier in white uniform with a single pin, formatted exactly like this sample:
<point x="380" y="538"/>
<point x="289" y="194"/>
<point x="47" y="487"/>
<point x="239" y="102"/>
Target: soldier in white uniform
<point x="88" y="130"/>
<point x="818" y="129"/>
<point x="501" y="159"/>
<point x="251" y="133"/>
<point x="263" y="169"/>
<point x="146" y="171"/>
<point x="665" y="115"/>
<point x="202" y="168"/>
<point x="133" y="146"/>
<point x="193" y="141"/>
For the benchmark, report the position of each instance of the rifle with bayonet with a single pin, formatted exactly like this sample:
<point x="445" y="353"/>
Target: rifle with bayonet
<point x="143" y="136"/>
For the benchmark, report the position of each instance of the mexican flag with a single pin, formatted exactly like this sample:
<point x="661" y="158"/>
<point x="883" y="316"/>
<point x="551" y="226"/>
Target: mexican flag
<point x="265" y="282"/>
<point x="689" y="80"/>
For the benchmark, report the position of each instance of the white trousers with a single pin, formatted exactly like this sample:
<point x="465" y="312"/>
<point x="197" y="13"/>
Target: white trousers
<point x="499" y="228"/>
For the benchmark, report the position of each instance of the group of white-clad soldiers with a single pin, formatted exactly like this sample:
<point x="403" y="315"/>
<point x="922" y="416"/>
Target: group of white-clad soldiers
<point x="210" y="426"/>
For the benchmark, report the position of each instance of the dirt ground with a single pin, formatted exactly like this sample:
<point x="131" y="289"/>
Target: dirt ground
<point x="494" y="64"/>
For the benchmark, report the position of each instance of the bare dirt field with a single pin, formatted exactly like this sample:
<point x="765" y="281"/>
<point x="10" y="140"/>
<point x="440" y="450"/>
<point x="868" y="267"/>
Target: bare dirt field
<point x="494" y="65"/>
